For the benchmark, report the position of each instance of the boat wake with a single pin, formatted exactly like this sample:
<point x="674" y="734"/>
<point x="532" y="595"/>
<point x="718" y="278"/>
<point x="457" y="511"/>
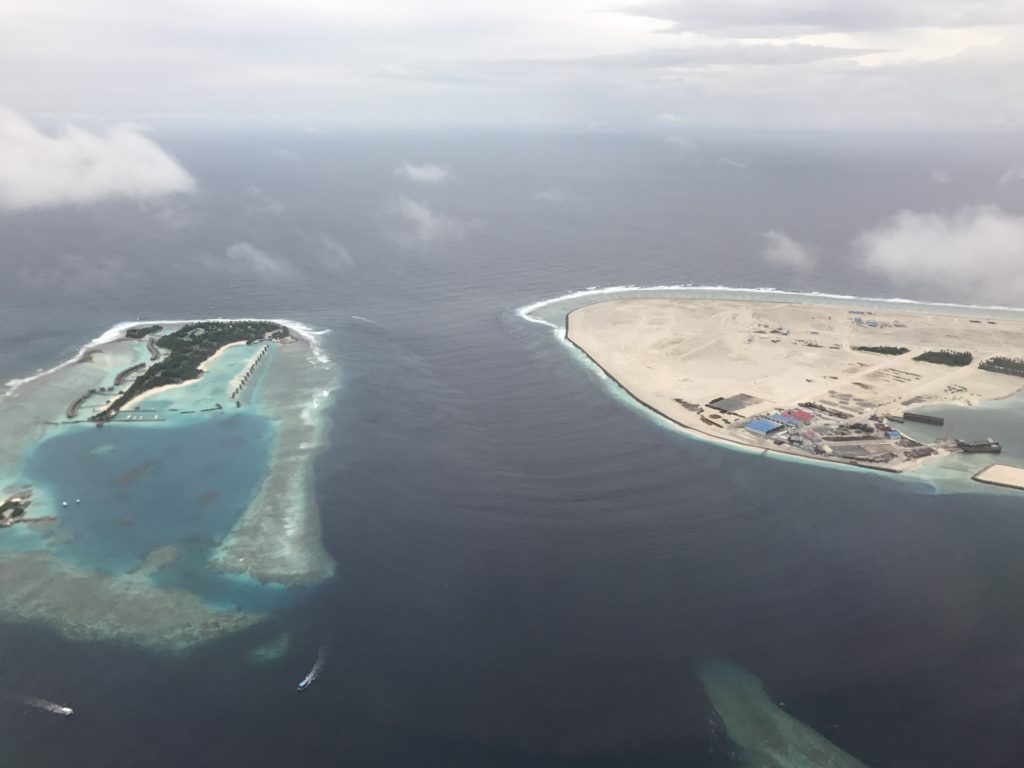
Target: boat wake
<point x="318" y="667"/>
<point x="49" y="706"/>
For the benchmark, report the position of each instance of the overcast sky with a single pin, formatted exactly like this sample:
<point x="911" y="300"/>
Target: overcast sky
<point x="847" y="64"/>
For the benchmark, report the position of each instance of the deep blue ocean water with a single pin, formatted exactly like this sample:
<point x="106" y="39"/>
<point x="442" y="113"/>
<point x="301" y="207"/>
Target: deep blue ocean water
<point x="528" y="570"/>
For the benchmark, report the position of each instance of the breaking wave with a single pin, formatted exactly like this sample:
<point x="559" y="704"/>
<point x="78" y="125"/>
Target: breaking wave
<point x="526" y="311"/>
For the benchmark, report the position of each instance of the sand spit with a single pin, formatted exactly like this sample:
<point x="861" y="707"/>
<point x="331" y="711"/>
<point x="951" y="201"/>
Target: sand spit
<point x="679" y="356"/>
<point x="766" y="735"/>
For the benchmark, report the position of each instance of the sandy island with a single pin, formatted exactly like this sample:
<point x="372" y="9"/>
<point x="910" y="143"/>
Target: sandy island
<point x="788" y="377"/>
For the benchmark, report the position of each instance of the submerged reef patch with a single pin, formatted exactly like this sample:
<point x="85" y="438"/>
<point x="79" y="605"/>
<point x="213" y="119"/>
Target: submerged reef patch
<point x="766" y="735"/>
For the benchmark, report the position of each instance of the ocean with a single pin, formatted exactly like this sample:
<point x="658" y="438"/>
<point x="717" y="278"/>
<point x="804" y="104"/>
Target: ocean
<point x="529" y="572"/>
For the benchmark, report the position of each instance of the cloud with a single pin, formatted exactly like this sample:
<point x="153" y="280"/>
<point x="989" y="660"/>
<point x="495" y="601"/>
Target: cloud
<point x="976" y="251"/>
<point x="757" y="64"/>
<point x="774" y="18"/>
<point x="328" y="253"/>
<point x="1013" y="174"/>
<point x="783" y="251"/>
<point x="419" y="226"/>
<point x="555" y="195"/>
<point x="263" y="202"/>
<point x="940" y="176"/>
<point x="249" y="258"/>
<point x="428" y="173"/>
<point x="79" y="167"/>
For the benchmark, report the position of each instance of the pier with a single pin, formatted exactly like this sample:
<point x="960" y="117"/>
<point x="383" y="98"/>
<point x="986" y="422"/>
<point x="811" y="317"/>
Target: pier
<point x="247" y="373"/>
<point x="924" y="418"/>
<point x="119" y="379"/>
<point x="72" y="409"/>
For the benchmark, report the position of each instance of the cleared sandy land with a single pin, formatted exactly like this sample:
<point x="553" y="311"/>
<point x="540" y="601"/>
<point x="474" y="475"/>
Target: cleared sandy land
<point x="1001" y="474"/>
<point x="678" y="355"/>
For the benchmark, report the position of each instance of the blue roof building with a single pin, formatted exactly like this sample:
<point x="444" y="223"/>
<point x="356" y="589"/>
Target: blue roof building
<point x="763" y="426"/>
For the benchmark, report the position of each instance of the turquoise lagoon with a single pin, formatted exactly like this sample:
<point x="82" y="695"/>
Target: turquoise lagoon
<point x="194" y="505"/>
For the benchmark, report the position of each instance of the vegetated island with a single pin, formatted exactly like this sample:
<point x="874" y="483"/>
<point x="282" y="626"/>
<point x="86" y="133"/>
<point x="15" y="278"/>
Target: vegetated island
<point x="186" y="372"/>
<point x="802" y="379"/>
<point x="188" y="348"/>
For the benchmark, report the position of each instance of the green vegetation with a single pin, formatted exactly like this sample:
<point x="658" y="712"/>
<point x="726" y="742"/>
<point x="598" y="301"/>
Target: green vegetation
<point x="15" y="505"/>
<point x="884" y="350"/>
<point x="946" y="357"/>
<point x="140" y="331"/>
<point x="190" y="346"/>
<point x="1014" y="366"/>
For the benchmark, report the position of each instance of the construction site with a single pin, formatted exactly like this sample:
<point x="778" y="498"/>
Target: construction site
<point x="820" y="381"/>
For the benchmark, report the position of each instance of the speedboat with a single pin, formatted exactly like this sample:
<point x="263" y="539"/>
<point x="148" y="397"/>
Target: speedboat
<point x="318" y="666"/>
<point x="66" y="711"/>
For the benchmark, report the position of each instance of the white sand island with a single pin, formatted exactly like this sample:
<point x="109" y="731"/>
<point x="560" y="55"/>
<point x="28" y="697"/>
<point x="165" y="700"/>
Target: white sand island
<point x="813" y="380"/>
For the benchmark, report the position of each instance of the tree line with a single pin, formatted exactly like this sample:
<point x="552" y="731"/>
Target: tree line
<point x="190" y="346"/>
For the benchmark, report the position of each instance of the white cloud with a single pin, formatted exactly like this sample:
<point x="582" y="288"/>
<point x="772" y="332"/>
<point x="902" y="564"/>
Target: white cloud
<point x="263" y="202"/>
<point x="977" y="251"/>
<point x="940" y="176"/>
<point x="1013" y="174"/>
<point x="328" y="252"/>
<point x="782" y="250"/>
<point x="249" y="258"/>
<point x="555" y="195"/>
<point x="79" y="167"/>
<point x="672" y="119"/>
<point x="428" y="173"/>
<point x="420" y="226"/>
<point x="681" y="143"/>
<point x="760" y="64"/>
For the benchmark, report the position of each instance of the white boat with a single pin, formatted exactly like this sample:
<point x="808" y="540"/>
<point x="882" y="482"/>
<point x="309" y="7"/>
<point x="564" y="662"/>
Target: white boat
<point x="49" y="706"/>
<point x="321" y="659"/>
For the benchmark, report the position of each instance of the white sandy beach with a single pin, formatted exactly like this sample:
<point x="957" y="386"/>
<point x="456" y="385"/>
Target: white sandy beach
<point x="677" y="355"/>
<point x="203" y="366"/>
